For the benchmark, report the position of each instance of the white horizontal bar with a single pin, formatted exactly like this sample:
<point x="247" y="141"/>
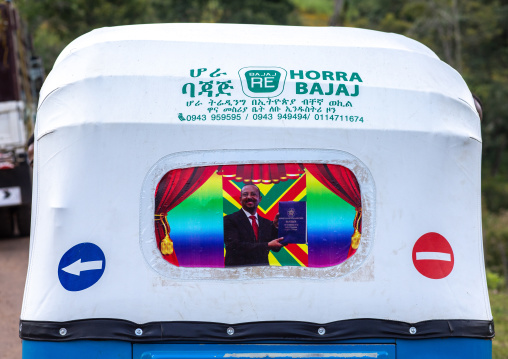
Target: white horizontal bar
<point x="438" y="256"/>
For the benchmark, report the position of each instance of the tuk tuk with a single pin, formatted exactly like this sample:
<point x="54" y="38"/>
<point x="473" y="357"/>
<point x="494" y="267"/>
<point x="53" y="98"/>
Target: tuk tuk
<point x="245" y="191"/>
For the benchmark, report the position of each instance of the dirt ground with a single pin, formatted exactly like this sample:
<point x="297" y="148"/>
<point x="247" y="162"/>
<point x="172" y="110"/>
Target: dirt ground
<point x="13" y="266"/>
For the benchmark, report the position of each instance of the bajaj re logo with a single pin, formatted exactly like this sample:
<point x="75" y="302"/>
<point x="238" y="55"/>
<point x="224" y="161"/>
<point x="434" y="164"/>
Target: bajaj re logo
<point x="262" y="81"/>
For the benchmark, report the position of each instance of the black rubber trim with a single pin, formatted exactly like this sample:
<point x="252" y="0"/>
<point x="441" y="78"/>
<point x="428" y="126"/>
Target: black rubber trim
<point x="116" y="329"/>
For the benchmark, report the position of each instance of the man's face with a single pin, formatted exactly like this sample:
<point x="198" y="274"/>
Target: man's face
<point x="250" y="198"/>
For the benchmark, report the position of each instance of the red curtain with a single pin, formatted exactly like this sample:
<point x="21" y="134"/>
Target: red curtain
<point x="173" y="189"/>
<point x="341" y="181"/>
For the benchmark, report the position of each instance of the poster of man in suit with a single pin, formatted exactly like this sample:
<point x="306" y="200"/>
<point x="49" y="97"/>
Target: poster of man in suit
<point x="248" y="237"/>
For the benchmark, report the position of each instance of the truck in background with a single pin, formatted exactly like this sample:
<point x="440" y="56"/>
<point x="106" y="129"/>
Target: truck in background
<point x="21" y="76"/>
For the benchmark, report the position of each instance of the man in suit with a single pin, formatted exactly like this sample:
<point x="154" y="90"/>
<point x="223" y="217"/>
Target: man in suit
<point x="248" y="236"/>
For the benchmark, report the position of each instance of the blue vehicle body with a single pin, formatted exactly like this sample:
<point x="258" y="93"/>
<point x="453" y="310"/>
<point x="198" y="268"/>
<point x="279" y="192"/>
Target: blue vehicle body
<point x="460" y="348"/>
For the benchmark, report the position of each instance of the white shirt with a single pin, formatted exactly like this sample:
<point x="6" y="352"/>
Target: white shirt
<point x="250" y="219"/>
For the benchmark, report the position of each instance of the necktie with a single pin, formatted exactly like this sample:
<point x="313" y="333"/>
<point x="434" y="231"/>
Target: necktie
<point x="255" y="226"/>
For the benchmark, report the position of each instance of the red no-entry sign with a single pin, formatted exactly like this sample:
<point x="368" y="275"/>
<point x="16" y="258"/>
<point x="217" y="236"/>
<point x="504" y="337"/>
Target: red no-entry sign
<point x="433" y="256"/>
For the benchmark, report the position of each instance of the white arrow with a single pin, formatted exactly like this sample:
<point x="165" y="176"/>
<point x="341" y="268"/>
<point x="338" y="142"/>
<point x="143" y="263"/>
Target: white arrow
<point x="77" y="267"/>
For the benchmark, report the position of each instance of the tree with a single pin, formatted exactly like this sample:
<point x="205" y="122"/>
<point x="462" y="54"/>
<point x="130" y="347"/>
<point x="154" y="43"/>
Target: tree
<point x="56" y="23"/>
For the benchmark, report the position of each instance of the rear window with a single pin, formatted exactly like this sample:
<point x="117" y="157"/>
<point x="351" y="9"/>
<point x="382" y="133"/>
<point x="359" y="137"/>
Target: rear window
<point x="305" y="214"/>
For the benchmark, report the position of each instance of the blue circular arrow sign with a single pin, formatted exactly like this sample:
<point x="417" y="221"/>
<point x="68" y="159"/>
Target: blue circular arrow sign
<point x="81" y="267"/>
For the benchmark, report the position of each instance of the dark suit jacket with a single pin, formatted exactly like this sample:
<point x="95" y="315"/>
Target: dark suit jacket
<point x="241" y="245"/>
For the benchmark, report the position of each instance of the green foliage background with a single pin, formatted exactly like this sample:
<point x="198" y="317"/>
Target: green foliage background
<point x="470" y="35"/>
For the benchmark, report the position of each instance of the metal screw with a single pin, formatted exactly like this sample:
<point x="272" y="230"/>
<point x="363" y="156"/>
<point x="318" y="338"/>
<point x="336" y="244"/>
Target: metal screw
<point x="321" y="331"/>
<point x="138" y="331"/>
<point x="21" y="327"/>
<point x="230" y="331"/>
<point x="62" y="331"/>
<point x="490" y="328"/>
<point x="412" y="330"/>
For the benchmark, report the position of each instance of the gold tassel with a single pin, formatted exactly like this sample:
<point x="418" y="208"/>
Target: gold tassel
<point x="355" y="238"/>
<point x="166" y="243"/>
<point x="167" y="246"/>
